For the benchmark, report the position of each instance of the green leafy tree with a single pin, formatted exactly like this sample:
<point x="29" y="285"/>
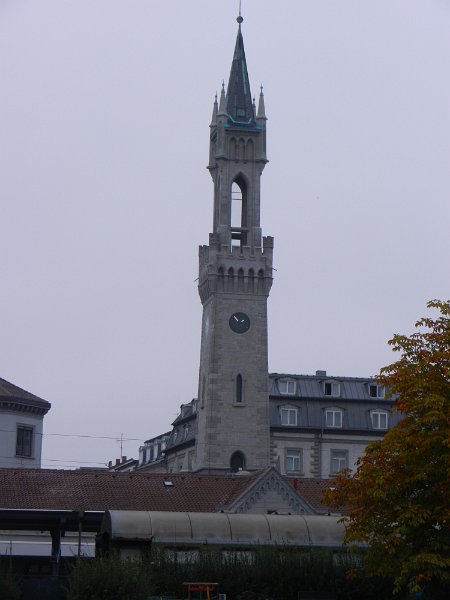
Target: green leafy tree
<point x="398" y="499"/>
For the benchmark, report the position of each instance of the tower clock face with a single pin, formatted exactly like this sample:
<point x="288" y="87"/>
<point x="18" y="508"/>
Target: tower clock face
<point x="239" y="322"/>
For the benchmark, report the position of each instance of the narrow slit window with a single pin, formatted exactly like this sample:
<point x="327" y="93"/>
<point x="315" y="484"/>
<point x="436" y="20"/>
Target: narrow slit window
<point x="239" y="388"/>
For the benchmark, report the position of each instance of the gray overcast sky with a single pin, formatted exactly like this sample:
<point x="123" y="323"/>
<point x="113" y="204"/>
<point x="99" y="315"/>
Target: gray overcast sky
<point x="104" y="114"/>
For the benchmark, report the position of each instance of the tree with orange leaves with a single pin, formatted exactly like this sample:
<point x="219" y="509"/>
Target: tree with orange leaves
<point x="397" y="502"/>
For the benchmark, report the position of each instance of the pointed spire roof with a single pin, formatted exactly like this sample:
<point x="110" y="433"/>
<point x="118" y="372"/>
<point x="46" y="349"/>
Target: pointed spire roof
<point x="223" y="101"/>
<point x="239" y="97"/>
<point x="214" y="112"/>
<point x="261" y="106"/>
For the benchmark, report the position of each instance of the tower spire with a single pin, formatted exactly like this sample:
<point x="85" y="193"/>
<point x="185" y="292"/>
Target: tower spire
<point x="239" y="97"/>
<point x="234" y="282"/>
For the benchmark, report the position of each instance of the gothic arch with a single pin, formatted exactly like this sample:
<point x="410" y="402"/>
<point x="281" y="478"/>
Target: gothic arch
<point x="233" y="155"/>
<point x="241" y="151"/>
<point x="250" y="151"/>
<point x="220" y="279"/>
<point x="230" y="283"/>
<point x="240" y="286"/>
<point x="251" y="281"/>
<point x="239" y="197"/>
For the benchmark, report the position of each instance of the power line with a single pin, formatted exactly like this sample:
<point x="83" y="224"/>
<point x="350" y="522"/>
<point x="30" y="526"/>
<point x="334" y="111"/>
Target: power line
<point x="116" y="438"/>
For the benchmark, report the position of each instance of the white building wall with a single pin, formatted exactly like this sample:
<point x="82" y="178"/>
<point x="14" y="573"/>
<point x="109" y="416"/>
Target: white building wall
<point x="9" y="422"/>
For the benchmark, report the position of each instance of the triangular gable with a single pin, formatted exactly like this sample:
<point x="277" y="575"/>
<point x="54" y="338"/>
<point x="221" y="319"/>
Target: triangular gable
<point x="270" y="493"/>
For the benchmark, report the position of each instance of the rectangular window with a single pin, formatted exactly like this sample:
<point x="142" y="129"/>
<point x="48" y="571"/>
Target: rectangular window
<point x="332" y="388"/>
<point x="333" y="417"/>
<point x="288" y="416"/>
<point x="376" y="391"/>
<point x="379" y="419"/>
<point x="339" y="460"/>
<point x="24" y="441"/>
<point x="293" y="461"/>
<point x="287" y="387"/>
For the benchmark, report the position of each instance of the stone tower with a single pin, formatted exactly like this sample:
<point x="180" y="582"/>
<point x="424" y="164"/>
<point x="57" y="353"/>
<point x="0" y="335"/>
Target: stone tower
<point x="235" y="277"/>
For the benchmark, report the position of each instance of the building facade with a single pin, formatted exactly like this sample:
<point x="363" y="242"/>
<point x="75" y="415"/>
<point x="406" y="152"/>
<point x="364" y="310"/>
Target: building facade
<point x="21" y="423"/>
<point x="317" y="425"/>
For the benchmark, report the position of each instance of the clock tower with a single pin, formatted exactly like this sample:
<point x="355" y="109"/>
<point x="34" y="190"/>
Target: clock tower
<point x="235" y="277"/>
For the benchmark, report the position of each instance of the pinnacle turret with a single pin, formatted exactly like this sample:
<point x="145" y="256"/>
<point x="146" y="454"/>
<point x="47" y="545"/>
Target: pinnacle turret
<point x="261" y="106"/>
<point x="223" y="101"/>
<point x="214" y="113"/>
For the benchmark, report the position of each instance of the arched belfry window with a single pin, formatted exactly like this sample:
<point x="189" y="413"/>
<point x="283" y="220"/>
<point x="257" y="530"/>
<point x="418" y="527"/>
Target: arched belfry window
<point x="237" y="461"/>
<point x="239" y="211"/>
<point x="239" y="388"/>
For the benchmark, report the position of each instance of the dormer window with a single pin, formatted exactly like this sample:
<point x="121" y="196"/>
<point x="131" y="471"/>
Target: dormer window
<point x="379" y="419"/>
<point x="286" y="386"/>
<point x="332" y="388"/>
<point x="175" y="436"/>
<point x="288" y="415"/>
<point x="376" y="390"/>
<point x="333" y="417"/>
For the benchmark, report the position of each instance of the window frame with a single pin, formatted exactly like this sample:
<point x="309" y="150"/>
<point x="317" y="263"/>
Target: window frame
<point x="379" y="390"/>
<point x="288" y="383"/>
<point x="296" y="454"/>
<point x="379" y="412"/>
<point x="334" y="456"/>
<point x="333" y="385"/>
<point x="24" y="447"/>
<point x="239" y="389"/>
<point x="334" y="410"/>
<point x="286" y="409"/>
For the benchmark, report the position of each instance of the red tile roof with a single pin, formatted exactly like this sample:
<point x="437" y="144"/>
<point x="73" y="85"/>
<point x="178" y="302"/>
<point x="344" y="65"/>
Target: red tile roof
<point x="97" y="490"/>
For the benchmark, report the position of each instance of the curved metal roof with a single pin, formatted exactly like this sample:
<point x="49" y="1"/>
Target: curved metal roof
<point x="222" y="528"/>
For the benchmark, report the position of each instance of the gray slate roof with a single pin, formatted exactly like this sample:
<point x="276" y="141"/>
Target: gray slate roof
<point x="13" y="397"/>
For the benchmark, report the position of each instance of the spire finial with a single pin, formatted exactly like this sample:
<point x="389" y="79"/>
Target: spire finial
<point x="240" y="19"/>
